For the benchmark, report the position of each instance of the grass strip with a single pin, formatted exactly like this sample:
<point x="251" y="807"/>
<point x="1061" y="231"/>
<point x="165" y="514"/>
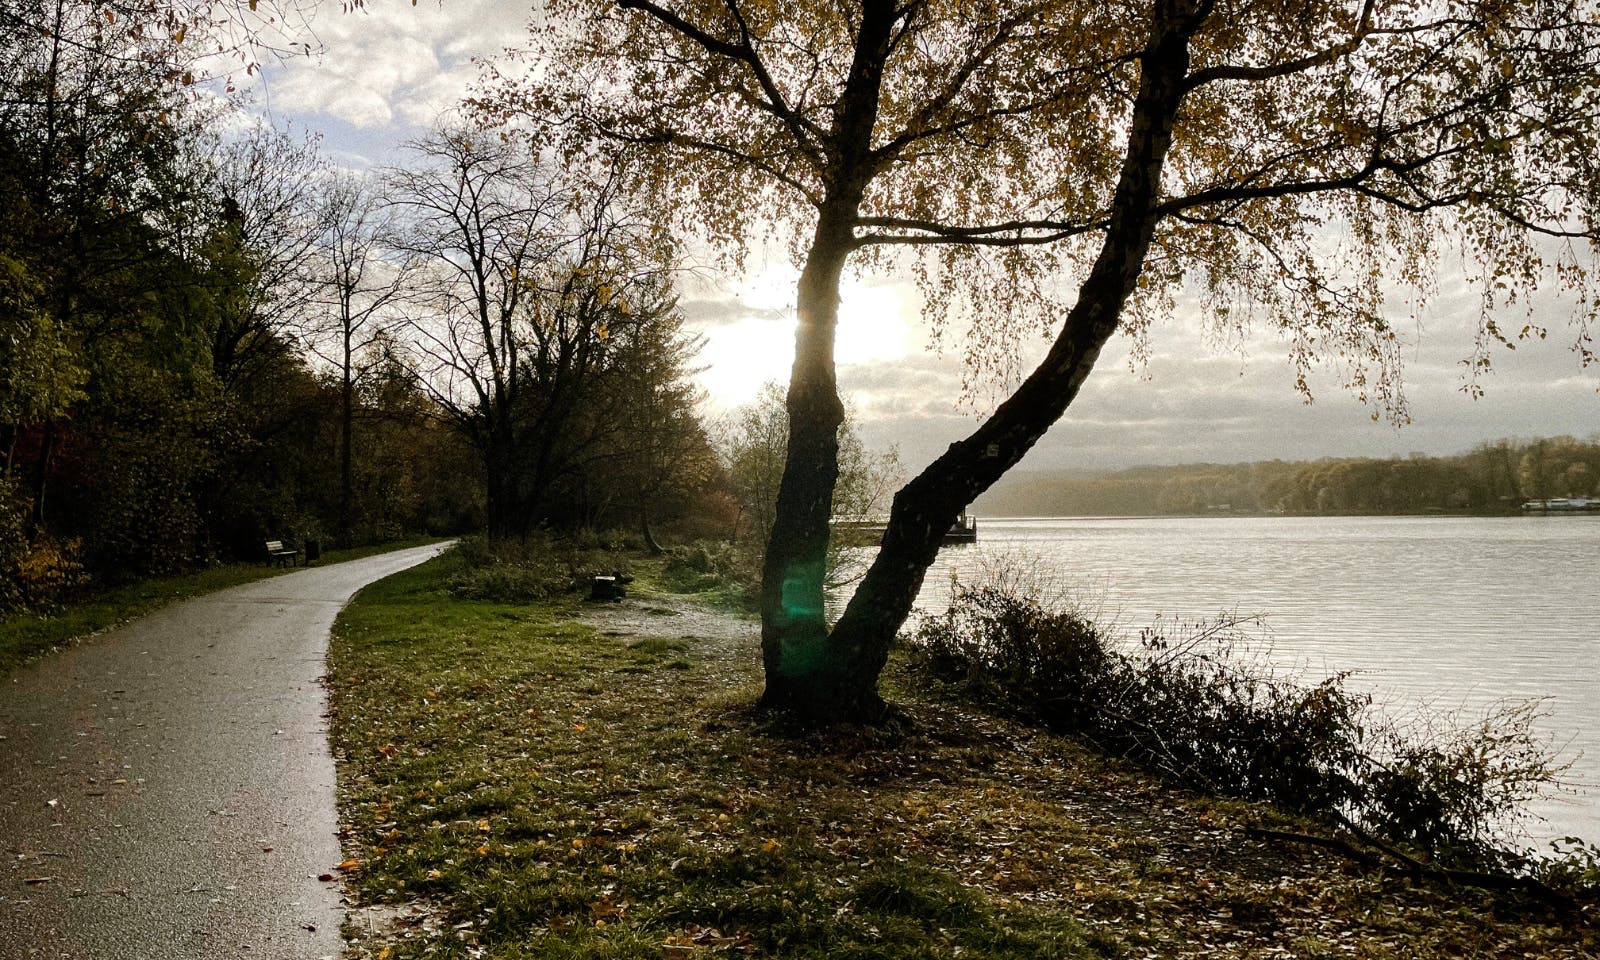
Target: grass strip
<point x="25" y="636"/>
<point x="561" y="780"/>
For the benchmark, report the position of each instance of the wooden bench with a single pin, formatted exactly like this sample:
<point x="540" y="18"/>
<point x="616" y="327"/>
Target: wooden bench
<point x="280" y="554"/>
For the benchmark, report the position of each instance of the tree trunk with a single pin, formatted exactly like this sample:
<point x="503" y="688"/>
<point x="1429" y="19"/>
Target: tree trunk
<point x="500" y="487"/>
<point x="927" y="506"/>
<point x="802" y="677"/>
<point x="41" y="480"/>
<point x="650" y="545"/>
<point x="794" y="631"/>
<point x="347" y="436"/>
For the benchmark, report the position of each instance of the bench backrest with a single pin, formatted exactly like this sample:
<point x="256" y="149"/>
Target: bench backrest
<point x="274" y="546"/>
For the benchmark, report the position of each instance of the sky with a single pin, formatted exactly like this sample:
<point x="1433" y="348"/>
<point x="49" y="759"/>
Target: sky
<point x="387" y="71"/>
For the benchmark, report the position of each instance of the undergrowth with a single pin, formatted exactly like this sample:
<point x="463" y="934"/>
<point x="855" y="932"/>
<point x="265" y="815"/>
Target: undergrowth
<point x="542" y="567"/>
<point x="1191" y="703"/>
<point x="727" y="573"/>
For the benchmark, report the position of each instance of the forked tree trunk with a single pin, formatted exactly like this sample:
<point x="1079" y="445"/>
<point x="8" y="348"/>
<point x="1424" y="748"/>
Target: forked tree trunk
<point x="801" y="673"/>
<point x="841" y="682"/>
<point x="794" y="632"/>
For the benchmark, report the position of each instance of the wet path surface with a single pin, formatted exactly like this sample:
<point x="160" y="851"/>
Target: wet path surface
<point x="166" y="790"/>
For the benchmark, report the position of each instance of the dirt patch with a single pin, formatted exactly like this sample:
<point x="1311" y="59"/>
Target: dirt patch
<point x="711" y="634"/>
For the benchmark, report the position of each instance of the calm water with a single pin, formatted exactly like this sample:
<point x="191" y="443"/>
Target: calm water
<point x="1454" y="612"/>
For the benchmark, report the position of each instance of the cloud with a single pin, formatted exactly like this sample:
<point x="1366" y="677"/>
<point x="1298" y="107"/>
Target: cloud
<point x="389" y="70"/>
<point x="392" y="66"/>
<point x="718" y="312"/>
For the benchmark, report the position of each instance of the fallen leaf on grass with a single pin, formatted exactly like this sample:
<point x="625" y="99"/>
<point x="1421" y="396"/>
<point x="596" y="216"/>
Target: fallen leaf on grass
<point x="692" y="938"/>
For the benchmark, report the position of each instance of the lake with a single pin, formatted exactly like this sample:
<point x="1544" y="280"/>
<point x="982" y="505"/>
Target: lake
<point x="1446" y="611"/>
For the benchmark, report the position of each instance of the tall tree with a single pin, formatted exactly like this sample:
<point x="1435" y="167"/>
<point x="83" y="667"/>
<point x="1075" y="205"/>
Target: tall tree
<point x="268" y="227"/>
<point x="1074" y="163"/>
<point x="659" y="454"/>
<point x="356" y="287"/>
<point x="531" y="290"/>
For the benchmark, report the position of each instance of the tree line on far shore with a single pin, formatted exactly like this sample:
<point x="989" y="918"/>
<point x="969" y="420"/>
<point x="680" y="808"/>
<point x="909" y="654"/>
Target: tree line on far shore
<point x="1492" y="478"/>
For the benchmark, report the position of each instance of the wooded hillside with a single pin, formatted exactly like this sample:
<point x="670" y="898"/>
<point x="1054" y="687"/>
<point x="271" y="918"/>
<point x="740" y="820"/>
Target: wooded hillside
<point x="1491" y="478"/>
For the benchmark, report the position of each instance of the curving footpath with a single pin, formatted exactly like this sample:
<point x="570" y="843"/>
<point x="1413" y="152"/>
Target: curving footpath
<point x="166" y="790"/>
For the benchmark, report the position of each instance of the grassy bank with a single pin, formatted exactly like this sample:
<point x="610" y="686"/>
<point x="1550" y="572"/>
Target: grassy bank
<point x="566" y="780"/>
<point x="26" y="636"/>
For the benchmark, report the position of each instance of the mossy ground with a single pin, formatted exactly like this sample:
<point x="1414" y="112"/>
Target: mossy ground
<point x="568" y="780"/>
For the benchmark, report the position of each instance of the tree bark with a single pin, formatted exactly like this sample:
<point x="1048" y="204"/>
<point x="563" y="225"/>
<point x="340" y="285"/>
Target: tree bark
<point x="651" y="546"/>
<point x="926" y="507"/>
<point x="801" y="676"/>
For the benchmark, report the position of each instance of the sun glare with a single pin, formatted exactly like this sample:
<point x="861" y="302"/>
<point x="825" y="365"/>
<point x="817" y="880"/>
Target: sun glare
<point x="877" y="324"/>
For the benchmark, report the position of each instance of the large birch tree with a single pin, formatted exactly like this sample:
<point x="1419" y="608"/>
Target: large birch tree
<point x="1076" y="164"/>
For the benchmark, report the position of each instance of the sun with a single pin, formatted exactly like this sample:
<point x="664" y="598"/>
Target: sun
<point x="878" y="323"/>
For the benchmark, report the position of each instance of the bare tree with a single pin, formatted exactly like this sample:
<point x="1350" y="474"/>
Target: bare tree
<point x="529" y="290"/>
<point x="357" y="286"/>
<point x="267" y="188"/>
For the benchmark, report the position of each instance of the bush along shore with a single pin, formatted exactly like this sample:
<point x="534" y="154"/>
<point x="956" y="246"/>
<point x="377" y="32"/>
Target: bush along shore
<point x="531" y="775"/>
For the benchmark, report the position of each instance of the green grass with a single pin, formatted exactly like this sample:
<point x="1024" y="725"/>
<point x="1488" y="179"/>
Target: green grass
<point x="26" y="636"/>
<point x="524" y="784"/>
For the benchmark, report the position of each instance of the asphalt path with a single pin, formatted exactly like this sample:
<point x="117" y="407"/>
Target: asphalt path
<point x="166" y="789"/>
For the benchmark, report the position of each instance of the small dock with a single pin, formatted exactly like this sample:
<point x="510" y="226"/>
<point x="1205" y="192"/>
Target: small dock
<point x="1562" y="505"/>
<point x="964" y="530"/>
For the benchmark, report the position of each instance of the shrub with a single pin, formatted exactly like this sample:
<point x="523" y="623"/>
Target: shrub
<point x="507" y="573"/>
<point x="1191" y="704"/>
<point x="538" y="568"/>
<point x="13" y="545"/>
<point x="710" y="566"/>
<point x="51" y="568"/>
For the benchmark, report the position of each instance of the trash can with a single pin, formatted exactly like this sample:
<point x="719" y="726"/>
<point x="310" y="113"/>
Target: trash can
<point x="313" y="551"/>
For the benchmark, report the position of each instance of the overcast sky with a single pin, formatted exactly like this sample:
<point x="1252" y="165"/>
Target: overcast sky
<point x="387" y="72"/>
